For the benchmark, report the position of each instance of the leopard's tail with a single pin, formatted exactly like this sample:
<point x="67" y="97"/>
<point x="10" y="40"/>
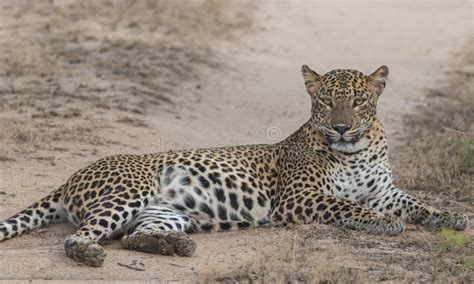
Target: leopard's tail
<point x="39" y="214"/>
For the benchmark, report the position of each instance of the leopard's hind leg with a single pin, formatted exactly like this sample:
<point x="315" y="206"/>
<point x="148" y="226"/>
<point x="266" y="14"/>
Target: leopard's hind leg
<point x="103" y="219"/>
<point x="160" y="229"/>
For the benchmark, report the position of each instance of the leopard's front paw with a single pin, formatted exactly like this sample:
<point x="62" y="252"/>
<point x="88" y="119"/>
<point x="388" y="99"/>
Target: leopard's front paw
<point x="456" y="221"/>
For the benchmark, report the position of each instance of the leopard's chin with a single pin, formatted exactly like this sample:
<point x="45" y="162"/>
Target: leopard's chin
<point x="351" y="146"/>
<point x="343" y="146"/>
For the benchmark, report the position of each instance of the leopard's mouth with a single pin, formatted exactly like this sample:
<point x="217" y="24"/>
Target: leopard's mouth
<point x="339" y="142"/>
<point x="348" y="142"/>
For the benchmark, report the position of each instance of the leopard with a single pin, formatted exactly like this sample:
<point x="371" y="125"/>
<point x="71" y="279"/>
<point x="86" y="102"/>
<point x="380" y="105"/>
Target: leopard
<point x="334" y="170"/>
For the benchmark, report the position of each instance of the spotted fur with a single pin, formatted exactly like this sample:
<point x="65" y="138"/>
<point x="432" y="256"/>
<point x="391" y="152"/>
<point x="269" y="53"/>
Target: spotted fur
<point x="333" y="170"/>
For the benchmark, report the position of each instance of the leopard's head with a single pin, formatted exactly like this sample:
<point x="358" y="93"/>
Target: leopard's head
<point x="344" y="104"/>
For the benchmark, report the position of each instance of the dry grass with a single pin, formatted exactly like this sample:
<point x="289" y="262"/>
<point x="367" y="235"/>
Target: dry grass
<point x="437" y="165"/>
<point x="439" y="156"/>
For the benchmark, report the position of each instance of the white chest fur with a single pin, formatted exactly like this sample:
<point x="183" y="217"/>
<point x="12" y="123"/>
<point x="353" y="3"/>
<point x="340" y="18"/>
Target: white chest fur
<point x="359" y="176"/>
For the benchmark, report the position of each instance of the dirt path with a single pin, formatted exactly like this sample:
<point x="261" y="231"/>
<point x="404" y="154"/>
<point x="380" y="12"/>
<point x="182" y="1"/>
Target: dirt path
<point x="103" y="94"/>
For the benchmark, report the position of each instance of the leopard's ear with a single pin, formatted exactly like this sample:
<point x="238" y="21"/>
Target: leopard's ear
<point x="376" y="81"/>
<point x="312" y="80"/>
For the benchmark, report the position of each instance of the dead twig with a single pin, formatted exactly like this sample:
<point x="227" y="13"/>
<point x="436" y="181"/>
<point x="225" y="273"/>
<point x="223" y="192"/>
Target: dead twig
<point x="174" y="264"/>
<point x="131" y="266"/>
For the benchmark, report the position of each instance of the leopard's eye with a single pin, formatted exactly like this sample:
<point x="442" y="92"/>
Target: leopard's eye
<point x="358" y="102"/>
<point x="327" y="101"/>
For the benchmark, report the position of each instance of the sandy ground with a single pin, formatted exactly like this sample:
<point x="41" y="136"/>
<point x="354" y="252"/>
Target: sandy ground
<point x="82" y="80"/>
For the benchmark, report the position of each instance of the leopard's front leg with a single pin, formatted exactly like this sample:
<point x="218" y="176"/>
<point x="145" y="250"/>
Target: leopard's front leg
<point x="395" y="202"/>
<point x="307" y="206"/>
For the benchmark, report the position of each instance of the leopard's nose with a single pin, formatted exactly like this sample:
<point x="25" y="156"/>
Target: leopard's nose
<point x="341" y="128"/>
